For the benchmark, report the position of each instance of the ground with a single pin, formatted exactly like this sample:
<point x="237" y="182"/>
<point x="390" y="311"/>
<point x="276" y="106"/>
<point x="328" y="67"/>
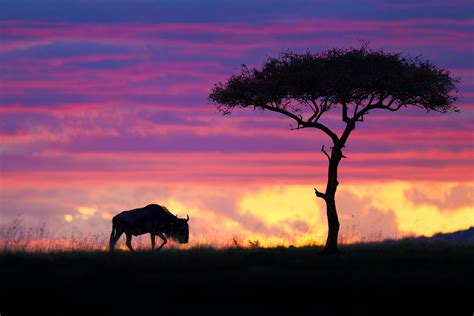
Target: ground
<point x="375" y="279"/>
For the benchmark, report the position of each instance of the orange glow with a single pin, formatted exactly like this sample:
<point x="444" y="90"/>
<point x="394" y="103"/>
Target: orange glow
<point x="278" y="215"/>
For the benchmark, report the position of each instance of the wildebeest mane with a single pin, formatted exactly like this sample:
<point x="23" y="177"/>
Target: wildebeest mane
<point x="168" y="211"/>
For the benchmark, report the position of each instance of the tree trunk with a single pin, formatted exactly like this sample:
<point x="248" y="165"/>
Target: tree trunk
<point x="333" y="228"/>
<point x="330" y="198"/>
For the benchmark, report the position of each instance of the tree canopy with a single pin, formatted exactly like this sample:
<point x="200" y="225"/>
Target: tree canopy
<point x="305" y="86"/>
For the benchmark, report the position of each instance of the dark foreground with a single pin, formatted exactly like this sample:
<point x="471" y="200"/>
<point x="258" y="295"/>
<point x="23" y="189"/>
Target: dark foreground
<point x="425" y="279"/>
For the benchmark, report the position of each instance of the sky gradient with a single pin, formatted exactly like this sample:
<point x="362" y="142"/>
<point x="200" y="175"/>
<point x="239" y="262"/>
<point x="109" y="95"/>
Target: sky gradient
<point x="103" y="108"/>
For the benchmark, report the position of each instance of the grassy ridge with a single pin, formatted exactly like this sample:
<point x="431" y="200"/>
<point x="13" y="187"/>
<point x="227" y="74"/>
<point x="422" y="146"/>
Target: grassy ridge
<point x="362" y="280"/>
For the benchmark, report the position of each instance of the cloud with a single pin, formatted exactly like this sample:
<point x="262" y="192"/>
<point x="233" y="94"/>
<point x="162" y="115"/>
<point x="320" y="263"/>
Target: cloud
<point x="224" y="203"/>
<point x="299" y="226"/>
<point x="374" y="224"/>
<point x="459" y="196"/>
<point x="182" y="32"/>
<point x="361" y="221"/>
<point x="174" y="163"/>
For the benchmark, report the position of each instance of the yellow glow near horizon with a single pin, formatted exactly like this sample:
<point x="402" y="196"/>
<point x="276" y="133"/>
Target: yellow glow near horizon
<point x="279" y="204"/>
<point x="292" y="215"/>
<point x="282" y="203"/>
<point x="421" y="219"/>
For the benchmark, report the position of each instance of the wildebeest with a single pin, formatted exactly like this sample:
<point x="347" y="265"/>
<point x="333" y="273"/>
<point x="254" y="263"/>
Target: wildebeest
<point x="154" y="219"/>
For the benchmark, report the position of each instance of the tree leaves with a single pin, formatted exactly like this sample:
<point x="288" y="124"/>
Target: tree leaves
<point x="357" y="77"/>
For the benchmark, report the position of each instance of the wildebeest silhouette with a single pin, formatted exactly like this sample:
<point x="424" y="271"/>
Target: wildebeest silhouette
<point x="153" y="219"/>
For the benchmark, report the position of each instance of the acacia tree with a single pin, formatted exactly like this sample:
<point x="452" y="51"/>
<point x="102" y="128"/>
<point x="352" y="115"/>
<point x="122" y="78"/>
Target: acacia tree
<point x="356" y="81"/>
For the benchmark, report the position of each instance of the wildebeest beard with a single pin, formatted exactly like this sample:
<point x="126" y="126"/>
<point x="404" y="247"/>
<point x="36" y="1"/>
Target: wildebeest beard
<point x="179" y="233"/>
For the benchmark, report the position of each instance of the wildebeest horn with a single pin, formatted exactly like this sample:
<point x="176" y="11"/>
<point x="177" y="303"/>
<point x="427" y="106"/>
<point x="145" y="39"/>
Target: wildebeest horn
<point x="187" y="217"/>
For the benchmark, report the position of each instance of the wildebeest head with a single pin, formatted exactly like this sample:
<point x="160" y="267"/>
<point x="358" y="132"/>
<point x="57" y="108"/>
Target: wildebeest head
<point x="180" y="230"/>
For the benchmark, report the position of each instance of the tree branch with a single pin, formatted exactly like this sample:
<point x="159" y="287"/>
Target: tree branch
<point x="347" y="131"/>
<point x="378" y="105"/>
<point x="319" y="110"/>
<point x="395" y="108"/>
<point x="345" y="118"/>
<point x="312" y="104"/>
<point x="372" y="97"/>
<point x="323" y="108"/>
<point x="297" y="118"/>
<point x="325" y="129"/>
<point x="355" y="109"/>
<point x="320" y="194"/>
<point x="301" y="123"/>
<point x="315" y="109"/>
<point x="360" y="118"/>
<point x="325" y="152"/>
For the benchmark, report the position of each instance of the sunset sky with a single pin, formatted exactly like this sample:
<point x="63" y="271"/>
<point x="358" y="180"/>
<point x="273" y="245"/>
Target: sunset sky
<point x="103" y="108"/>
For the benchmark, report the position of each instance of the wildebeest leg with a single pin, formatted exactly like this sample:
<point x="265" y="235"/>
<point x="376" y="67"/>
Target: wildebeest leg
<point x="164" y="240"/>
<point x="152" y="236"/>
<point x="114" y="238"/>
<point x="129" y="242"/>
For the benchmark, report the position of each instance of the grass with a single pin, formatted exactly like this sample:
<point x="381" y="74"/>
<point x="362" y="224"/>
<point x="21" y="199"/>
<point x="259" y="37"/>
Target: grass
<point x="365" y="279"/>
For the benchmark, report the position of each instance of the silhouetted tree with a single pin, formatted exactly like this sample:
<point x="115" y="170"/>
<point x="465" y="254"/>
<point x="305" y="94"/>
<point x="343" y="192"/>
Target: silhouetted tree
<point x="357" y="80"/>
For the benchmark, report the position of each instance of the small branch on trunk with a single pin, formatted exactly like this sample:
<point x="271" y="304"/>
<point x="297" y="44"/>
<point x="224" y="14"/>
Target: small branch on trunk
<point x="320" y="194"/>
<point x="325" y="152"/>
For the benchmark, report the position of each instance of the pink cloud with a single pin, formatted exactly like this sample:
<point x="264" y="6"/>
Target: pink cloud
<point x="100" y="31"/>
<point x="236" y="167"/>
<point x="119" y="121"/>
<point x="244" y="37"/>
<point x="242" y="175"/>
<point x="232" y="158"/>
